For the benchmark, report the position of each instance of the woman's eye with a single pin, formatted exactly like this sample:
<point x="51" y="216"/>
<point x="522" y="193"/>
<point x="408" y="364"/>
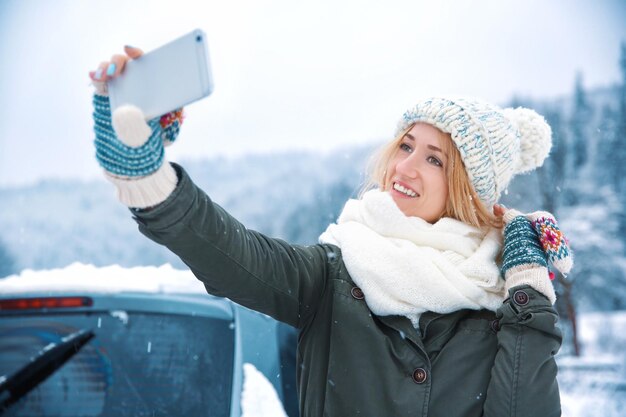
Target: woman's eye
<point x="434" y="161"/>
<point x="405" y="147"/>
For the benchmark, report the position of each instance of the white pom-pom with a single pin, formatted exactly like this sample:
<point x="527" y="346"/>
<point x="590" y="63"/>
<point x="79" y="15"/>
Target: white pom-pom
<point x="130" y="125"/>
<point x="535" y="137"/>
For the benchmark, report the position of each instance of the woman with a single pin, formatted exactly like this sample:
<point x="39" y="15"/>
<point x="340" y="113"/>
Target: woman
<point x="405" y="307"/>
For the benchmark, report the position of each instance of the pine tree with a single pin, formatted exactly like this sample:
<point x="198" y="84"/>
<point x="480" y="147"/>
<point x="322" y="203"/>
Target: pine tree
<point x="581" y="118"/>
<point x="618" y="151"/>
<point x="622" y="100"/>
<point x="608" y="168"/>
<point x="554" y="169"/>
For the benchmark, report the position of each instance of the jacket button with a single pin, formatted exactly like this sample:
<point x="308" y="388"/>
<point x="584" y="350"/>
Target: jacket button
<point x="357" y="293"/>
<point x="495" y="325"/>
<point x="419" y="375"/>
<point x="521" y="298"/>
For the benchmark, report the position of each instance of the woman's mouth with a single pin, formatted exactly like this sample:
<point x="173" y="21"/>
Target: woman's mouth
<point x="404" y="190"/>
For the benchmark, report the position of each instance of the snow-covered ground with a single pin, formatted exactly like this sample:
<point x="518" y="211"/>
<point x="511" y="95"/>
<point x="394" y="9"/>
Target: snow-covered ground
<point x="593" y="385"/>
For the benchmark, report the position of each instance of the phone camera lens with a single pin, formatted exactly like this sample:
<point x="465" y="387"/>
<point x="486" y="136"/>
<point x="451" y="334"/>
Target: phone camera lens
<point x="198" y="38"/>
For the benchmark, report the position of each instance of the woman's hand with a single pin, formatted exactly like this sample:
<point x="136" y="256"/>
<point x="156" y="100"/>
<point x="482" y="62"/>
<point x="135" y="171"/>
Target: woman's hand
<point x="499" y="210"/>
<point x="530" y="241"/>
<point x="114" y="67"/>
<point x="129" y="148"/>
<point x="551" y="238"/>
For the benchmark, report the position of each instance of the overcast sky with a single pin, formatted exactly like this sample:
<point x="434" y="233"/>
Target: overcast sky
<point x="289" y="74"/>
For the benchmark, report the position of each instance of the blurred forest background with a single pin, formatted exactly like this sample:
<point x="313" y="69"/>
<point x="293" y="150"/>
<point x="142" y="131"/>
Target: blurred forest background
<point x="295" y="195"/>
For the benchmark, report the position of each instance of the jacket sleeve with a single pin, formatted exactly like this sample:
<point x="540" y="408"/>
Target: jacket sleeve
<point x="264" y="274"/>
<point x="523" y="378"/>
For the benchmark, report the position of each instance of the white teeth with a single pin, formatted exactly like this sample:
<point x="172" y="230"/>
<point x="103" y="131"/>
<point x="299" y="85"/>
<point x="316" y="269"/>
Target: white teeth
<point x="404" y="190"/>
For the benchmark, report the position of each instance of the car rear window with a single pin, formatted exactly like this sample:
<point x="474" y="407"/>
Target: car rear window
<point x="139" y="364"/>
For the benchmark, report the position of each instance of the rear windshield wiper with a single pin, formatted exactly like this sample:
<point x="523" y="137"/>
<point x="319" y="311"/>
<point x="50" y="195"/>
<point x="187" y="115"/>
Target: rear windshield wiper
<point x="40" y="367"/>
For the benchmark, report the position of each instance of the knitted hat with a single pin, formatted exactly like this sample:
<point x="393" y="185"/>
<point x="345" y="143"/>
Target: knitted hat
<point x="495" y="144"/>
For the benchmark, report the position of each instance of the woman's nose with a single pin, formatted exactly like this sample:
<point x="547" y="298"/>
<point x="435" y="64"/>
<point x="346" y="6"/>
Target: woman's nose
<point x="409" y="167"/>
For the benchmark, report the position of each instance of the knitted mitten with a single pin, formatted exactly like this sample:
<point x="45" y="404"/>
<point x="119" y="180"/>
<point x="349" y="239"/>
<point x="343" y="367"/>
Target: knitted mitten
<point x="530" y="241"/>
<point x="131" y="150"/>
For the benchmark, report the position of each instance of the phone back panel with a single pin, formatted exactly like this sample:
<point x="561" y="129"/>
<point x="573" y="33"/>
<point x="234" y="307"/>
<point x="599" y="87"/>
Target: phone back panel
<point x="167" y="78"/>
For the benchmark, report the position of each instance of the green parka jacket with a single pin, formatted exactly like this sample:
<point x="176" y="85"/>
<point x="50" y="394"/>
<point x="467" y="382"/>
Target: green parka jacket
<point x="352" y="362"/>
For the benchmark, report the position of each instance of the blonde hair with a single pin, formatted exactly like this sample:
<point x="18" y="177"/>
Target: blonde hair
<point x="463" y="203"/>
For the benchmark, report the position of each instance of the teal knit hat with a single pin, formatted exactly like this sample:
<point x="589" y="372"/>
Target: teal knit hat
<point x="495" y="144"/>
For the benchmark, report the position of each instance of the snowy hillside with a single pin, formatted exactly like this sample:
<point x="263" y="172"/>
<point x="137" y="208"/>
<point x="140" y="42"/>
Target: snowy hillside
<point x="56" y="223"/>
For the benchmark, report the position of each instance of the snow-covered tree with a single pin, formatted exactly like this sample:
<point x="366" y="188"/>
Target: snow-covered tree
<point x="554" y="170"/>
<point x="619" y="149"/>
<point x="580" y="123"/>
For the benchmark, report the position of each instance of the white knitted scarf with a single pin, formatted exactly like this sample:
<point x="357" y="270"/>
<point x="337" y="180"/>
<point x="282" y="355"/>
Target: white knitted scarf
<point x="406" y="266"/>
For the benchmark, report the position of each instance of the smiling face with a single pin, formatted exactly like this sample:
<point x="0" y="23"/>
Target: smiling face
<point x="416" y="173"/>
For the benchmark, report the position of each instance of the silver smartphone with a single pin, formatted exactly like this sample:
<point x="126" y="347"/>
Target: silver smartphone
<point x="167" y="78"/>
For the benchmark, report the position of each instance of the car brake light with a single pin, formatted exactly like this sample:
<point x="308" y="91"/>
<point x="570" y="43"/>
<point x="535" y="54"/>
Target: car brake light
<point x="45" y="302"/>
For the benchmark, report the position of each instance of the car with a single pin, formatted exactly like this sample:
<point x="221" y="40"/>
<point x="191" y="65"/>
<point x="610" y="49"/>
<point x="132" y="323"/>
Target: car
<point x="154" y="343"/>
